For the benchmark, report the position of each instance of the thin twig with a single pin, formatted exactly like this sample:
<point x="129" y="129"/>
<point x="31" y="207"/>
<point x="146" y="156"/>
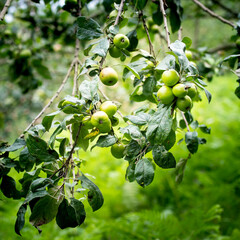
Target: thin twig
<point x="213" y="14"/>
<point x="5" y="9"/>
<point x="119" y="13"/>
<point x="151" y="49"/>
<point x="229" y="10"/>
<point x="185" y="120"/>
<point x="165" y="23"/>
<point x="77" y="47"/>
<point x="180" y="34"/>
<point x="52" y="99"/>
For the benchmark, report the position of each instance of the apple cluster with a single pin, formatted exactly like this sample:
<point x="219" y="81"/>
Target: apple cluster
<point x="174" y="90"/>
<point x="120" y="41"/>
<point x="104" y="120"/>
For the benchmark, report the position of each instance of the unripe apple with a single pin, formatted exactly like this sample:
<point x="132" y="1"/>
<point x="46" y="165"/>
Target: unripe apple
<point x="86" y="121"/>
<point x="121" y="41"/>
<point x="184" y="104"/>
<point x="180" y="90"/>
<point x="117" y="150"/>
<point x="25" y="53"/>
<point x="188" y="54"/>
<point x="170" y="77"/>
<point x="109" y="108"/>
<point x="101" y="121"/>
<point x="115" y="52"/>
<point x="165" y="95"/>
<point x="108" y="76"/>
<point x="192" y="89"/>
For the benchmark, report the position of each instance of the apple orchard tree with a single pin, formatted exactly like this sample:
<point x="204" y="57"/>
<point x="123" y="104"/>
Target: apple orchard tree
<point x="50" y="167"/>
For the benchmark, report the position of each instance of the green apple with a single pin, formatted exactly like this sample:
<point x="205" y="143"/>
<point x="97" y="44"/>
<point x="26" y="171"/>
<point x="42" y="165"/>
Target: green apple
<point x="86" y="121"/>
<point x="108" y="76"/>
<point x="121" y="41"/>
<point x="115" y="52"/>
<point x="109" y="108"/>
<point x="192" y="89"/>
<point x="114" y="121"/>
<point x="117" y="150"/>
<point x="25" y="53"/>
<point x="184" y="104"/>
<point x="180" y="90"/>
<point x="170" y="77"/>
<point x="165" y="95"/>
<point x="101" y="121"/>
<point x="188" y="54"/>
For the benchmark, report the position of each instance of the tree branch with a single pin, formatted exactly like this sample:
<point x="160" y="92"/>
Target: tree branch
<point x="222" y="47"/>
<point x="119" y="12"/>
<point x="235" y="14"/>
<point x="77" y="47"/>
<point x="147" y="32"/>
<point x="185" y="120"/>
<point x="165" y="23"/>
<point x="213" y="14"/>
<point x="52" y="99"/>
<point x="5" y="9"/>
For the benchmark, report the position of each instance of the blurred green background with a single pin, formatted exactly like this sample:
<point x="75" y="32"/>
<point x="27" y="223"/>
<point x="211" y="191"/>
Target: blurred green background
<point x="204" y="206"/>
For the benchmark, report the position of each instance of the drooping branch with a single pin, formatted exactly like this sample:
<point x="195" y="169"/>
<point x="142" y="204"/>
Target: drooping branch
<point x="213" y="14"/>
<point x="119" y="12"/>
<point x="52" y="99"/>
<point x="5" y="9"/>
<point x="151" y="50"/>
<point x="77" y="47"/>
<point x="224" y="7"/>
<point x="165" y="23"/>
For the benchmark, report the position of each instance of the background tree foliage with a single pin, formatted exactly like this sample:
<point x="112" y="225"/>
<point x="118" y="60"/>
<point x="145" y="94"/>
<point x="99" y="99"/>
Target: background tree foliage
<point x="38" y="42"/>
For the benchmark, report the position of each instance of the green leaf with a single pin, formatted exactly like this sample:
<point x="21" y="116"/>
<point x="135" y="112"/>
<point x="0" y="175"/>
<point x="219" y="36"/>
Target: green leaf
<point x="133" y="149"/>
<point x="144" y="172"/>
<point x="160" y="125"/>
<point x="229" y="58"/>
<point x="191" y="139"/>
<point x="157" y="17"/>
<point x="26" y="160"/>
<point x="134" y="71"/>
<point x="170" y="140"/>
<point x="187" y="41"/>
<point x="37" y="194"/>
<point x="52" y="139"/>
<point x="237" y="91"/>
<point x="140" y="4"/>
<point x="47" y="120"/>
<point x="205" y="129"/>
<point x="132" y="132"/>
<point x="82" y="141"/>
<point x="62" y="146"/>
<point x="148" y="88"/>
<point x="178" y="49"/>
<point x="130" y="172"/>
<point x="163" y="158"/>
<point x="44" y="211"/>
<point x="105" y="141"/>
<point x="70" y="215"/>
<point x="39" y="149"/>
<point x="132" y="36"/>
<point x="207" y="93"/>
<point x="139" y="119"/>
<point x="88" y="89"/>
<point x="41" y="69"/>
<point x="175" y="16"/>
<point x="19" y="143"/>
<point x="8" y="187"/>
<point x="87" y="29"/>
<point x="20" y="221"/>
<point x="168" y="62"/>
<point x="95" y="197"/>
<point x="40" y="184"/>
<point x="101" y="48"/>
